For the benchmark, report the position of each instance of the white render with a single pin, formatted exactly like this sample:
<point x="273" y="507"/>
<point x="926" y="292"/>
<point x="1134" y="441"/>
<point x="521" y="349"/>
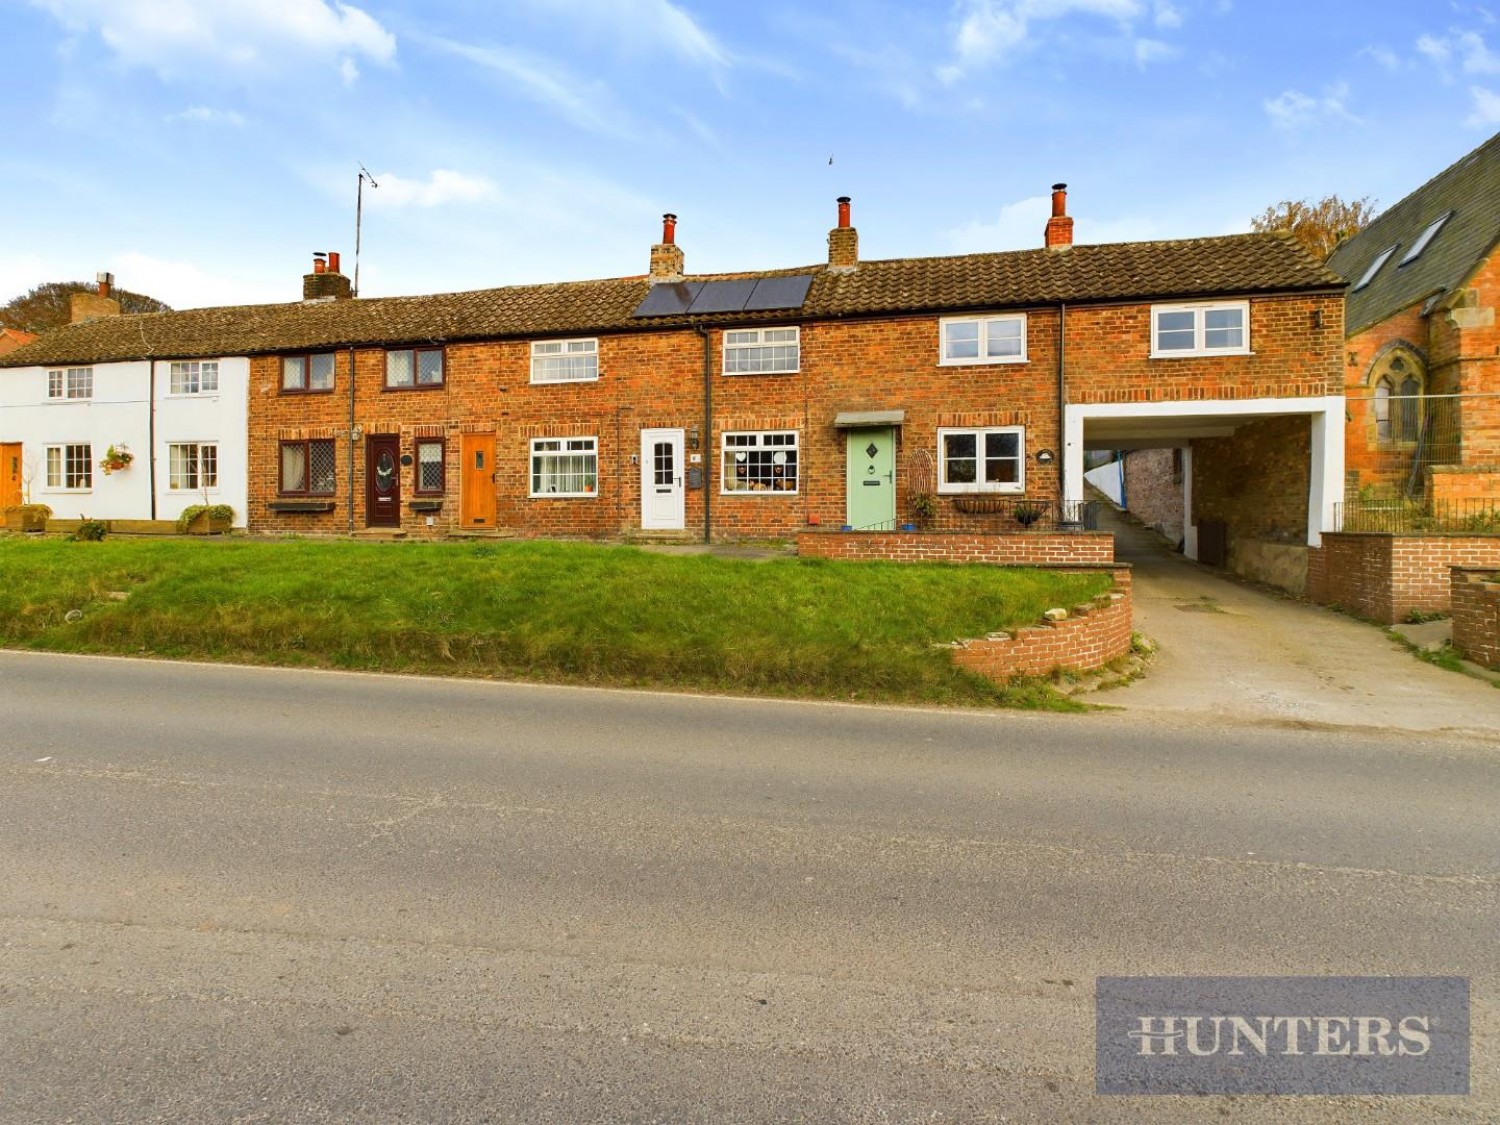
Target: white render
<point x="120" y="412"/>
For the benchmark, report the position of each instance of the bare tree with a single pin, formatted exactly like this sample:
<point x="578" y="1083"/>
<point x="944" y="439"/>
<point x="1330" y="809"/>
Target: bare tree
<point x="1319" y="226"/>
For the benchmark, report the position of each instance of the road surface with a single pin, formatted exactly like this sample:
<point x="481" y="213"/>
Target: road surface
<point x="269" y="895"/>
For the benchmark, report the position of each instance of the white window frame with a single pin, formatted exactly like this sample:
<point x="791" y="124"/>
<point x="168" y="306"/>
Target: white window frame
<point x="199" y="466"/>
<point x="87" y="461"/>
<point x="983" y="323"/>
<point x="193" y="377"/>
<point x="566" y="447"/>
<point x="1200" y="311"/>
<point x="727" y="462"/>
<point x="980" y="433"/>
<point x="70" y="384"/>
<point x="757" y="344"/>
<point x="552" y="354"/>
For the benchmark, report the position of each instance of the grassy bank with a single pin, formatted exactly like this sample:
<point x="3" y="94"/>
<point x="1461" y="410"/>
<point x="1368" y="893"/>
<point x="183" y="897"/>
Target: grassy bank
<point x="566" y="612"/>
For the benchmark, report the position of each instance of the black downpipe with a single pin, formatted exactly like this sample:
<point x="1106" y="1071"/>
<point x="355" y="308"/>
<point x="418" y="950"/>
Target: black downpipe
<point x="707" y="444"/>
<point x="351" y="440"/>
<point x="151" y="435"/>
<point x="1062" y="403"/>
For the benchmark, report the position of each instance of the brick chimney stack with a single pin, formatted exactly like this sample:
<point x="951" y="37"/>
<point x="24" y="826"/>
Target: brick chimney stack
<point x="325" y="280"/>
<point x="667" y="261"/>
<point x="843" y="241"/>
<point x="1060" y="227"/>
<point x="94" y="306"/>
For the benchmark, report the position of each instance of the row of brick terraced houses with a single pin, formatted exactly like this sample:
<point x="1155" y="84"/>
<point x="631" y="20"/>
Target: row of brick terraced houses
<point x="846" y="395"/>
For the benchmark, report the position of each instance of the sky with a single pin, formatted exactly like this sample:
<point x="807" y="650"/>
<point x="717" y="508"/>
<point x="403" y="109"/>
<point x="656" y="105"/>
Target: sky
<point x="203" y="150"/>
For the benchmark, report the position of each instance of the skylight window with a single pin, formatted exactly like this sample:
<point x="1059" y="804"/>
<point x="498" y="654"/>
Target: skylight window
<point x="1424" y="238"/>
<point x="1385" y="256"/>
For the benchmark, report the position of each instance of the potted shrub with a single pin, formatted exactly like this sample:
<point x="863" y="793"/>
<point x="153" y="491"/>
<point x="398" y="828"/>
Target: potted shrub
<point x="27" y="517"/>
<point x="116" y="458"/>
<point x="205" y="519"/>
<point x="924" y="507"/>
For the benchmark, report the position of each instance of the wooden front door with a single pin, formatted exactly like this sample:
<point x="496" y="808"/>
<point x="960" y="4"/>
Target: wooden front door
<point x="383" y="480"/>
<point x="871" y="480"/>
<point x="477" y="486"/>
<point x="663" y="500"/>
<point x="10" y="474"/>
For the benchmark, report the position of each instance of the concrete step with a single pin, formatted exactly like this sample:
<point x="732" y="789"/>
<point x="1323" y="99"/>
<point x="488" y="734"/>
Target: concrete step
<point x="379" y="534"/>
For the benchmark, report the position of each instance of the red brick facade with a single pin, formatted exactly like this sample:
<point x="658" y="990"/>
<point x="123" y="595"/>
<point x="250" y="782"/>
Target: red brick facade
<point x="1090" y="636"/>
<point x="1388" y="577"/>
<point x="1476" y="615"/>
<point x="654" y="379"/>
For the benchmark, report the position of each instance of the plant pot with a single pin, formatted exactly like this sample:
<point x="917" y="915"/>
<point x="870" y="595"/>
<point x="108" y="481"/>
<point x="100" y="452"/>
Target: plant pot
<point x="202" y="525"/>
<point x="20" y="519"/>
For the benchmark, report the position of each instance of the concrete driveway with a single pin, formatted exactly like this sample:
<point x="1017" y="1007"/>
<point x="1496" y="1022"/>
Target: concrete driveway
<point x="1238" y="653"/>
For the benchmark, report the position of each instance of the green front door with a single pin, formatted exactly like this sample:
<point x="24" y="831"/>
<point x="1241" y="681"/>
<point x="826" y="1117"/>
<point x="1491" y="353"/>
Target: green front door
<point x="871" y="479"/>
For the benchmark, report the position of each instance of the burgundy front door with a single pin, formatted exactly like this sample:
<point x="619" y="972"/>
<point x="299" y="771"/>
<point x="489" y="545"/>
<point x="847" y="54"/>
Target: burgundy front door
<point x="383" y="481"/>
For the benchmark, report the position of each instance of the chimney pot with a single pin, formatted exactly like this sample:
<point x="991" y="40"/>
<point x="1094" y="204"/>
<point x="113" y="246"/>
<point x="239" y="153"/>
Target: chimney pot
<point x="667" y="262"/>
<point x="843" y="241"/>
<point x="1059" y="233"/>
<point x="843" y="210"/>
<point x="333" y="261"/>
<point x="106" y="283"/>
<point x="669" y="229"/>
<point x="325" y="280"/>
<point x="320" y="263"/>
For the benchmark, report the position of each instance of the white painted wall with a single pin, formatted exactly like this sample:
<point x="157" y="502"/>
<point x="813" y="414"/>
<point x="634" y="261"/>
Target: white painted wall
<point x="120" y="413"/>
<point x="1106" y="478"/>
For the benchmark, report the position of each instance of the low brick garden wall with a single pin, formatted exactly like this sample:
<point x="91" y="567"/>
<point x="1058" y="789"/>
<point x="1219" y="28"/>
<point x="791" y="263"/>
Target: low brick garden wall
<point x="1088" y="637"/>
<point x="1476" y="614"/>
<point x="1014" y="549"/>
<point x="1076" y="639"/>
<point x="1387" y="577"/>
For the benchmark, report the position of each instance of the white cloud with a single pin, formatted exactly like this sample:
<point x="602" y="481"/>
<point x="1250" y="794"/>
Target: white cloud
<point x="586" y="104"/>
<point x="1384" y="56"/>
<point x="1293" y="109"/>
<point x="441" y="187"/>
<point x="204" y="115"/>
<point x="1486" y="107"/>
<point x="184" y="285"/>
<point x="1467" y="48"/>
<point x="1019" y="226"/>
<point x="657" y="23"/>
<point x="1168" y="14"/>
<point x="992" y="28"/>
<point x="1152" y="50"/>
<point x="178" y="38"/>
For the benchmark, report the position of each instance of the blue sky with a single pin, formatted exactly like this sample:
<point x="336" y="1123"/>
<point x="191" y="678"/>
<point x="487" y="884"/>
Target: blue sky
<point x="203" y="149"/>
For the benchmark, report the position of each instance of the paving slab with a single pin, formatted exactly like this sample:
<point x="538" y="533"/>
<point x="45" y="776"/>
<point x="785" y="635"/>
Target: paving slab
<point x="1236" y="652"/>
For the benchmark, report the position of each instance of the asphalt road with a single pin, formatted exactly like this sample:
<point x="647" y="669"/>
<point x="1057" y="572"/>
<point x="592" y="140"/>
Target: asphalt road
<point x="265" y="895"/>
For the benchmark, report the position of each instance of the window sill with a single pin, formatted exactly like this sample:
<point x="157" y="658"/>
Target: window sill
<point x="753" y="374"/>
<point x="999" y="490"/>
<point x="1201" y="354"/>
<point x="1010" y="359"/>
<point x="560" y="382"/>
<point x="563" y="496"/>
<point x="69" y="401"/>
<point x="172" y="396"/>
<point x="300" y="505"/>
<point x="66" y="491"/>
<point x="420" y="387"/>
<point x="783" y="492"/>
<point x="307" y="390"/>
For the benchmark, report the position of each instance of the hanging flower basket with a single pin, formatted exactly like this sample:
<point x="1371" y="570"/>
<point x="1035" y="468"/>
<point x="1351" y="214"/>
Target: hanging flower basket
<point x="116" y="458"/>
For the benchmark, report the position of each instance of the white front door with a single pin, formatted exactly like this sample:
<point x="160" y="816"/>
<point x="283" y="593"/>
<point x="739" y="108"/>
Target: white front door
<point x="663" y="499"/>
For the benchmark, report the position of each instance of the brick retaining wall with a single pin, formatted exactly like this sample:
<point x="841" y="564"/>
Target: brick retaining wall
<point x="1387" y="577"/>
<point x="1476" y="614"/>
<point x="1023" y="549"/>
<point x="1091" y="636"/>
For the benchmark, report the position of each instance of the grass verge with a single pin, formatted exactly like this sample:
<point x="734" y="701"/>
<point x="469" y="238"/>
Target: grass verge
<point x="562" y="612"/>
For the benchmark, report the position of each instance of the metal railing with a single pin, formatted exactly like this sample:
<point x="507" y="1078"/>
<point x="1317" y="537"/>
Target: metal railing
<point x="1394" y="438"/>
<point x="1475" y="515"/>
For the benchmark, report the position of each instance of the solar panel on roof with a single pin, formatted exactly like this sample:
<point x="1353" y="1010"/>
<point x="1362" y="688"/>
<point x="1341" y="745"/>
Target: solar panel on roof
<point x="779" y="292"/>
<point x="669" y="300"/>
<point x="723" y="296"/>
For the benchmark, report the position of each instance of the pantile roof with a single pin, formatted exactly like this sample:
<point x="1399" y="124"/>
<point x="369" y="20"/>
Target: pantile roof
<point x="1468" y="192"/>
<point x="1233" y="265"/>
